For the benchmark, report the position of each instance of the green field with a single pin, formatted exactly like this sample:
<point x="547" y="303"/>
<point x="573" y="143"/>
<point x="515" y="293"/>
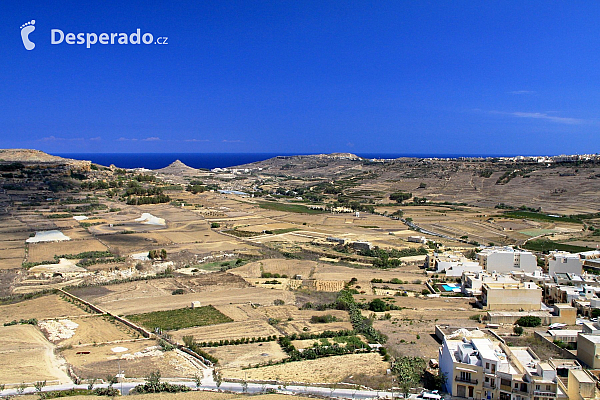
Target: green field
<point x="537" y="232"/>
<point x="180" y="318"/>
<point x="539" y="217"/>
<point x="285" y="207"/>
<point x="546" y="245"/>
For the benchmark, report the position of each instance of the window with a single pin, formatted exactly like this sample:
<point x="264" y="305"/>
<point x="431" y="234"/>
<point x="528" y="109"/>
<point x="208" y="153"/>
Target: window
<point x="493" y="368"/>
<point x="516" y="385"/>
<point x="537" y="387"/>
<point x="487" y="365"/>
<point x="487" y="379"/>
<point x="548" y="388"/>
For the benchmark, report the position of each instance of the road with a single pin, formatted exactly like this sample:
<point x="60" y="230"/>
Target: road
<point x="209" y="384"/>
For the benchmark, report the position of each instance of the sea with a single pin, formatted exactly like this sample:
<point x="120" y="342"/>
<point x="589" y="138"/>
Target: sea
<point x="211" y="160"/>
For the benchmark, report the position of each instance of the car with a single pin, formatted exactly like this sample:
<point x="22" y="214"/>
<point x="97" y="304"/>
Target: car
<point x="430" y="395"/>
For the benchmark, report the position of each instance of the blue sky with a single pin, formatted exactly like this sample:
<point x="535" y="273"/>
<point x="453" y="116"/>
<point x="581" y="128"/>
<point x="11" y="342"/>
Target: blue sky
<point x="426" y="77"/>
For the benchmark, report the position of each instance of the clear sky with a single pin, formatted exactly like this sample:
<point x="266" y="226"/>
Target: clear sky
<point x="427" y="77"/>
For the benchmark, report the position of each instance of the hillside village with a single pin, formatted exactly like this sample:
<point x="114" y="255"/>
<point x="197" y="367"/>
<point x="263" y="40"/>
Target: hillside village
<point x="468" y="279"/>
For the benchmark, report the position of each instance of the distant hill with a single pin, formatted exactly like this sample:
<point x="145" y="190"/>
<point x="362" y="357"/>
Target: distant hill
<point x="177" y="168"/>
<point x="36" y="156"/>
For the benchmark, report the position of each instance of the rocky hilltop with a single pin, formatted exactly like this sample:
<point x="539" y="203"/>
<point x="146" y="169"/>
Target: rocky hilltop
<point x="28" y="156"/>
<point x="177" y="168"/>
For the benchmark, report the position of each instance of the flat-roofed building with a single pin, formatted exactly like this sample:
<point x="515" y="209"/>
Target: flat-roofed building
<point x="588" y="350"/>
<point x="581" y="385"/>
<point x="482" y="368"/>
<point x="511" y="296"/>
<point x="507" y="259"/>
<point x="564" y="262"/>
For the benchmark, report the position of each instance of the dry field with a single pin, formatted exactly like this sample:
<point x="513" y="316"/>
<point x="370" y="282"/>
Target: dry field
<point x="28" y="357"/>
<point x="44" y="307"/>
<point x="39" y="252"/>
<point x="139" y="300"/>
<point x="140" y="358"/>
<point x="322" y="370"/>
<point x="277" y="266"/>
<point x="420" y="318"/>
<point x="293" y="320"/>
<point x="97" y="329"/>
<point x="231" y="330"/>
<point x="244" y="355"/>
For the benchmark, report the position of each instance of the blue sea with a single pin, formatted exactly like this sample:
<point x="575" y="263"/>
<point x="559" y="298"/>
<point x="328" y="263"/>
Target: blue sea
<point x="205" y="160"/>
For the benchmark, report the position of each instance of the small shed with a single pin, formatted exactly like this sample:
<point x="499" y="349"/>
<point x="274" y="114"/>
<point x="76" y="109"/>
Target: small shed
<point x="196" y="304"/>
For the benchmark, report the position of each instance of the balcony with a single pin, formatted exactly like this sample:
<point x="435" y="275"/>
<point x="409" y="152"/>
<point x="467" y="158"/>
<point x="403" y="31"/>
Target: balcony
<point x="544" y="393"/>
<point x="506" y="388"/>
<point x="466" y="379"/>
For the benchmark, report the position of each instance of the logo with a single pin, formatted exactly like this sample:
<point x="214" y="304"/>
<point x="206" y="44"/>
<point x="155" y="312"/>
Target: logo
<point x="26" y="29"/>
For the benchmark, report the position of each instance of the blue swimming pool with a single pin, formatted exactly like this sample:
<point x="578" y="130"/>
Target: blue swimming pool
<point x="450" y="287"/>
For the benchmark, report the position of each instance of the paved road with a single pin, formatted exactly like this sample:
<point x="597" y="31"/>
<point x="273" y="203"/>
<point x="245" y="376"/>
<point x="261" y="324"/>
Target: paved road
<point x="209" y="384"/>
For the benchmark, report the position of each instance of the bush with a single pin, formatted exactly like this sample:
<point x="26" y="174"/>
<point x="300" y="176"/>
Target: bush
<point x="177" y="291"/>
<point x="529" y="321"/>
<point x="215" y="225"/>
<point x="377" y="305"/>
<point x="518" y="330"/>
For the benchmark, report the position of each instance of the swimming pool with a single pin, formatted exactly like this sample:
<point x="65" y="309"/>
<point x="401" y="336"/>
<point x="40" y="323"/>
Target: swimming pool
<point x="451" y="287"/>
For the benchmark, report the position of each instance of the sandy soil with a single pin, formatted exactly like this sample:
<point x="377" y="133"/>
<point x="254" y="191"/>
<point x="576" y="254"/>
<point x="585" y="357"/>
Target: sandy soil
<point x="140" y="358"/>
<point x="229" y="330"/>
<point x="28" y="357"/>
<point x="246" y="354"/>
<point x="97" y="329"/>
<point x="328" y="369"/>
<point x="50" y="306"/>
<point x="39" y="252"/>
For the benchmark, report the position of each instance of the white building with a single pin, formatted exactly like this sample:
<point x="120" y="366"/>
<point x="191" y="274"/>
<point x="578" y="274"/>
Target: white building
<point x="507" y="259"/>
<point x="479" y="368"/>
<point x="563" y="262"/>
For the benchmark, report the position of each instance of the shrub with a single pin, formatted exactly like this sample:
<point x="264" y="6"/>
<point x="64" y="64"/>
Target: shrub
<point x="177" y="291"/>
<point x="215" y="225"/>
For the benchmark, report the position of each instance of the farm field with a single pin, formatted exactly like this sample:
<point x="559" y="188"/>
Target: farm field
<point x="89" y="330"/>
<point x="230" y="330"/>
<point x="39" y="252"/>
<point x="242" y="355"/>
<point x="329" y="369"/>
<point x="28" y="357"/>
<point x="180" y="318"/>
<point x="43" y="307"/>
<point x="136" y="358"/>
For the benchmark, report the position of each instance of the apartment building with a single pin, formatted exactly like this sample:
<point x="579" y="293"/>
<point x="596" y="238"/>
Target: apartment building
<point x="511" y="296"/>
<point x="564" y="262"/>
<point x="507" y="259"/>
<point x="480" y="368"/>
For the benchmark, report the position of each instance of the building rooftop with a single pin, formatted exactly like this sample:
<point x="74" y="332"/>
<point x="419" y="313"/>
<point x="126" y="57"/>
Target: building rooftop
<point x="591" y="338"/>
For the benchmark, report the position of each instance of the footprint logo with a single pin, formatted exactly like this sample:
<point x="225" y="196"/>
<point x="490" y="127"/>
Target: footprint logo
<point x="26" y="29"/>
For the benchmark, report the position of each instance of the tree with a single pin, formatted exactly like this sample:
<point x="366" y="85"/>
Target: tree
<point x="39" y="385"/>
<point x="529" y="321"/>
<point x="518" y="330"/>
<point x="377" y="305"/>
<point x="596" y="313"/>
<point x="399" y="197"/>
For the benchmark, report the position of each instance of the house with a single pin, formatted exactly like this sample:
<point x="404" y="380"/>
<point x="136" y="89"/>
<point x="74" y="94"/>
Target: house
<point x="471" y="283"/>
<point x="581" y="385"/>
<point x="506" y="259"/>
<point x="511" y="296"/>
<point x="417" y="239"/>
